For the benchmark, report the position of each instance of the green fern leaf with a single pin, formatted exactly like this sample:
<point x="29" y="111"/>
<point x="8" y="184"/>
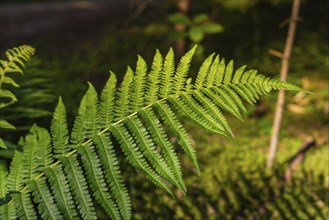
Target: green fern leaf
<point x="91" y="122"/>
<point x="219" y="78"/>
<point x="78" y="131"/>
<point x="30" y="163"/>
<point x="182" y="70"/>
<point x="136" y="116"/>
<point x="147" y="146"/>
<point x="212" y="72"/>
<point x="122" y="103"/>
<point x="6" y="125"/>
<point x="8" y="98"/>
<point x="138" y="85"/>
<point x="78" y="186"/>
<point x="153" y="81"/>
<point x="203" y="72"/>
<point x="62" y="193"/>
<point x="135" y="158"/>
<point x="113" y="175"/>
<point x="185" y="141"/>
<point x="24" y="206"/>
<point x="97" y="182"/>
<point x="228" y="72"/>
<point x="60" y="134"/>
<point x="167" y="148"/>
<point x="168" y="74"/>
<point x="10" y="81"/>
<point x="42" y="196"/>
<point x="44" y="152"/>
<point x="107" y="101"/>
<point x="3" y="183"/>
<point x="14" y="177"/>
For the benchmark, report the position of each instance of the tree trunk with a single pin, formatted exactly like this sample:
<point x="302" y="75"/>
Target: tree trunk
<point x="283" y="76"/>
<point x="180" y="44"/>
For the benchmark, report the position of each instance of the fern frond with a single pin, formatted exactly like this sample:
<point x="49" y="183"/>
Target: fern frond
<point x="30" y="162"/>
<point x="228" y="72"/>
<point x="24" y="206"/>
<point x="135" y="156"/>
<point x="210" y="77"/>
<point x="15" y="63"/>
<point x="44" y="153"/>
<point x="96" y="180"/>
<point x="17" y="57"/>
<point x="154" y="78"/>
<point x="182" y="70"/>
<point x="7" y="211"/>
<point x="113" y="175"/>
<point x="6" y="125"/>
<point x="147" y="146"/>
<point x="78" y="131"/>
<point x="137" y="90"/>
<point x="136" y="116"/>
<point x="59" y="131"/>
<point x="42" y="196"/>
<point x="3" y="177"/>
<point x="168" y="74"/>
<point x="8" y="97"/>
<point x="122" y="103"/>
<point x="203" y="72"/>
<point x="91" y="122"/>
<point x="10" y="81"/>
<point x="14" y="177"/>
<point x="107" y="101"/>
<point x="184" y="140"/>
<point x="167" y="149"/>
<point x="62" y="193"/>
<point x="78" y="186"/>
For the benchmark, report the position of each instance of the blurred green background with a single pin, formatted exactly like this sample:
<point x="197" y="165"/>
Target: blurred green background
<point x="80" y="41"/>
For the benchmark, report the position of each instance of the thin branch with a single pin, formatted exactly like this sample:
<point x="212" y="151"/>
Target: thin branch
<point x="283" y="76"/>
<point x="298" y="158"/>
<point x="276" y="53"/>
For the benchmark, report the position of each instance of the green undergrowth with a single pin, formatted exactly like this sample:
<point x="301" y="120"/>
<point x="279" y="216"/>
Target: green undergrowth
<point x="235" y="184"/>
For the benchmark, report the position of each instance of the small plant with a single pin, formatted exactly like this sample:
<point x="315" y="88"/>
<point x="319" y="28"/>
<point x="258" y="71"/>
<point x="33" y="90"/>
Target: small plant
<point x="60" y="173"/>
<point x="197" y="27"/>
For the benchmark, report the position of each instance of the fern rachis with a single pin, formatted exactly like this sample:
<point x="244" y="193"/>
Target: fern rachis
<point x="135" y="115"/>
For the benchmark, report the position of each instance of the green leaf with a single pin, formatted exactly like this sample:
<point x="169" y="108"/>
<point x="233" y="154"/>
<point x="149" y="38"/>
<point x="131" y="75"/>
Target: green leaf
<point x="196" y="34"/>
<point x="108" y="101"/>
<point x="211" y="28"/>
<point x="179" y="18"/>
<point x="10" y="81"/>
<point x="2" y="145"/>
<point x="199" y="18"/>
<point x="59" y="131"/>
<point x="175" y="35"/>
<point x="6" y="125"/>
<point x="142" y="119"/>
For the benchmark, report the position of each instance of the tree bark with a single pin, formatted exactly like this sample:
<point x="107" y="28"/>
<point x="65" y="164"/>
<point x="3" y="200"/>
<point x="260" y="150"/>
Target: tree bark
<point x="180" y="44"/>
<point x="283" y="76"/>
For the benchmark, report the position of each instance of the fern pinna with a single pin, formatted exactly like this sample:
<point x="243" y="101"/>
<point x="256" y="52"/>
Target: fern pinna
<point x="59" y="174"/>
